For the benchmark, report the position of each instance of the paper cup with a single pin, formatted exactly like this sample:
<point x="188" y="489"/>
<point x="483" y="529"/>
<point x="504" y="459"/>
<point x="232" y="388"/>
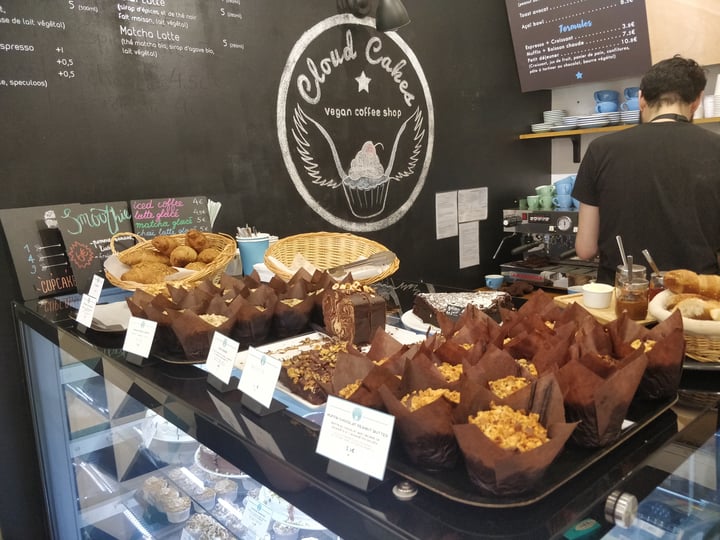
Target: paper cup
<point x="252" y="250"/>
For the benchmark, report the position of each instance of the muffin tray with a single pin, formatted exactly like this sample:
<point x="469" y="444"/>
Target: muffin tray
<point x="455" y="484"/>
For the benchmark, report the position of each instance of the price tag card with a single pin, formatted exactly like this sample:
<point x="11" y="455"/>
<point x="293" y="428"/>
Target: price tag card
<point x="221" y="357"/>
<point x="259" y="376"/>
<point x="86" y="310"/>
<point x="96" y="286"/>
<point x="139" y="336"/>
<point x="356" y="436"/>
<point x="256" y="518"/>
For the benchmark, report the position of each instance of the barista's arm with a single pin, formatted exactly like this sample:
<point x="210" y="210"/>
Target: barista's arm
<point x="586" y="240"/>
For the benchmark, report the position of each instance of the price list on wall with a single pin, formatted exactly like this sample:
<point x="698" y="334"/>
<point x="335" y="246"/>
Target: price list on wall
<point x="47" y="43"/>
<point x="563" y="43"/>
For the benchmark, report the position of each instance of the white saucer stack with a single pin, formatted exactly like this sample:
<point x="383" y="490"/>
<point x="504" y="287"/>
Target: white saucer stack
<point x="630" y="117"/>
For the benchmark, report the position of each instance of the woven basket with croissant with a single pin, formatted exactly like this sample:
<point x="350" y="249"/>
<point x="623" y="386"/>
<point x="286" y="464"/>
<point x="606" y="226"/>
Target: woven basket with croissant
<point x="325" y="250"/>
<point x="697" y="297"/>
<point x="180" y="260"/>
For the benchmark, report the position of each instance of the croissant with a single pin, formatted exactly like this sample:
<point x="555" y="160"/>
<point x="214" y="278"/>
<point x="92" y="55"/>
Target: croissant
<point x="196" y="240"/>
<point x="182" y="255"/>
<point x="165" y="244"/>
<point x="687" y="281"/>
<point x="148" y="272"/>
<point x="697" y="308"/>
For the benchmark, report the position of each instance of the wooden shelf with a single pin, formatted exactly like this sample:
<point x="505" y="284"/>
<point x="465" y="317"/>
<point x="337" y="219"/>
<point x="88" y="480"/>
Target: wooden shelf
<point x="575" y="134"/>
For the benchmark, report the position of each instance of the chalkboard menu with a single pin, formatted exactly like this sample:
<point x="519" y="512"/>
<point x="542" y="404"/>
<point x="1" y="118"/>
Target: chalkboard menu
<point x="154" y="217"/>
<point x="38" y="252"/>
<point x="561" y="43"/>
<point x="87" y="230"/>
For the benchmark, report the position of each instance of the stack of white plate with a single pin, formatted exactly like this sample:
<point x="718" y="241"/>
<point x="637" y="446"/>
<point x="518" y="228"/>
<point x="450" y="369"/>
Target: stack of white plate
<point x="541" y="128"/>
<point x="554" y="116"/>
<point x="570" y="122"/>
<point x="593" y="120"/>
<point x="630" y="117"/>
<point x="716" y="108"/>
<point x="614" y="117"/>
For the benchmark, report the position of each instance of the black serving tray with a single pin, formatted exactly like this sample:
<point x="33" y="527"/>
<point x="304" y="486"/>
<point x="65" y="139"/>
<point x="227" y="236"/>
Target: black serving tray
<point x="454" y="484"/>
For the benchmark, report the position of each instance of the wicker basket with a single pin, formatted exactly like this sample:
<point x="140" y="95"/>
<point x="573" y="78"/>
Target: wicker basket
<point x="702" y="348"/>
<point x="325" y="250"/>
<point x="224" y="243"/>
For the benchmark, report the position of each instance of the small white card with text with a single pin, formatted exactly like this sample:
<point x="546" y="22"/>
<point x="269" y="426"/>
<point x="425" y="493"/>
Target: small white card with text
<point x="139" y="336"/>
<point x="221" y="357"/>
<point x="259" y="376"/>
<point x="356" y="436"/>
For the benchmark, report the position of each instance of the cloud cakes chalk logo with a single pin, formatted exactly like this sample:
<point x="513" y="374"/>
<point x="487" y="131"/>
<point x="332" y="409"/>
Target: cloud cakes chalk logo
<point x="355" y="123"/>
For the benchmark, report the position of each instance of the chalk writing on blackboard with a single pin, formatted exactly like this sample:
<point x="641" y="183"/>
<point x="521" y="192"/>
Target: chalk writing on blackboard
<point x="171" y="215"/>
<point x="562" y="43"/>
<point x="38" y="252"/>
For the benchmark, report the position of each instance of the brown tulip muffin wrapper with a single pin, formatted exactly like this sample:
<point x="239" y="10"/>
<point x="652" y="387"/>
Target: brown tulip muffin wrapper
<point x="195" y="335"/>
<point x="661" y="379"/>
<point x="426" y="434"/>
<point x="509" y="472"/>
<point x="599" y="404"/>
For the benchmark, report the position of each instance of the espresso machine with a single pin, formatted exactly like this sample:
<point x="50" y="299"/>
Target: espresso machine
<point x="546" y="251"/>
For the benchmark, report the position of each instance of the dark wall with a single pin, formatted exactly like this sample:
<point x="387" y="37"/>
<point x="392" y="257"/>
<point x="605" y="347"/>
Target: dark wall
<point x="131" y="128"/>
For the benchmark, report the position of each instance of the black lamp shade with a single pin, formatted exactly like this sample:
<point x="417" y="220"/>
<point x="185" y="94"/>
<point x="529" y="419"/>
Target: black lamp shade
<point x="390" y="15"/>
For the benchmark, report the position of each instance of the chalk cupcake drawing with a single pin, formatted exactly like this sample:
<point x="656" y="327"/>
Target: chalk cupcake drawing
<point x="366" y="182"/>
<point x="355" y="123"/>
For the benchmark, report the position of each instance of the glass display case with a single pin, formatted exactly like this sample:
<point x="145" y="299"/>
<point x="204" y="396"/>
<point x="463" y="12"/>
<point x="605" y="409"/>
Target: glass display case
<point x="110" y="432"/>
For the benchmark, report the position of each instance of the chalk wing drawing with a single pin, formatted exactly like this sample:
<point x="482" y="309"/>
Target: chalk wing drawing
<point x="366" y="181"/>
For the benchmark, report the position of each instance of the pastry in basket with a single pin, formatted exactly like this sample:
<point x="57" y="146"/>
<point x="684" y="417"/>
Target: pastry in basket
<point x="137" y="256"/>
<point x="687" y="281"/>
<point x="148" y="272"/>
<point x="208" y="255"/>
<point x="182" y="255"/>
<point x="507" y="448"/>
<point x="695" y="306"/>
<point x="196" y="240"/>
<point x="165" y="244"/>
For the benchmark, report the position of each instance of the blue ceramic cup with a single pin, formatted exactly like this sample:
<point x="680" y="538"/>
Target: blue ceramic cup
<point x="606" y="95"/>
<point x="494" y="281"/>
<point x="252" y="250"/>
<point x="606" y="106"/>
<point x="631" y="92"/>
<point x="563" y="188"/>
<point x="563" y="201"/>
<point x="632" y="104"/>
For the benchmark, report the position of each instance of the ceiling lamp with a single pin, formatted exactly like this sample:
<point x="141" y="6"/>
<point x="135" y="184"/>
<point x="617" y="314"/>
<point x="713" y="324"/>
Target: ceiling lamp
<point x="390" y="15"/>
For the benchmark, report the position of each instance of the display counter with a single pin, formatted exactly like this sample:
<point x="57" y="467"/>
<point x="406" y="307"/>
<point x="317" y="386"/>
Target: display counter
<point x="92" y="409"/>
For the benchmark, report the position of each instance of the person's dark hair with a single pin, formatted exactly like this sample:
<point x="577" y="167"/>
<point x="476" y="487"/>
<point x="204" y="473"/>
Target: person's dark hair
<point x="672" y="80"/>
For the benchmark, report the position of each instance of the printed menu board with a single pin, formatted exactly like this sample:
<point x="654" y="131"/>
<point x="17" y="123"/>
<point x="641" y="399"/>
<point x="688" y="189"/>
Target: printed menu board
<point x="37" y="251"/>
<point x="155" y="217"/>
<point x="87" y="230"/>
<point x="562" y="43"/>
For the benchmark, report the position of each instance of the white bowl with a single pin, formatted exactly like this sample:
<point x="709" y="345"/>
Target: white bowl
<point x="597" y="295"/>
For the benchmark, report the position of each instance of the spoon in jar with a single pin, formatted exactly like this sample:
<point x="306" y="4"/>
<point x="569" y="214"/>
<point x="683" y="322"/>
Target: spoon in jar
<point x="651" y="261"/>
<point x="622" y="250"/>
<point x="630" y="268"/>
